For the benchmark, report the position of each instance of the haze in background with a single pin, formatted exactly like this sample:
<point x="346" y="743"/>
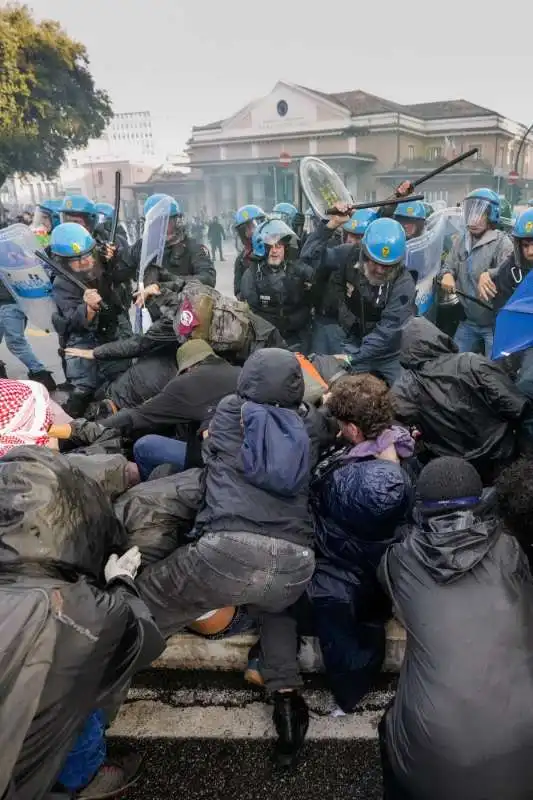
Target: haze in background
<point x="191" y="62"/>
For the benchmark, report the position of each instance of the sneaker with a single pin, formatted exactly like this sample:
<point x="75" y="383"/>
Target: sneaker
<point x="113" y="778"/>
<point x="252" y="673"/>
<point x="44" y="377"/>
<point x="291" y="720"/>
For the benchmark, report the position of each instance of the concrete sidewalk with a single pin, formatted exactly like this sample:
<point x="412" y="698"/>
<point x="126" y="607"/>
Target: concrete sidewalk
<point x="192" y="652"/>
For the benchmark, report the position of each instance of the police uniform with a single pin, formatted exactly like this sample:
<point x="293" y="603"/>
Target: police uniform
<point x="186" y="259"/>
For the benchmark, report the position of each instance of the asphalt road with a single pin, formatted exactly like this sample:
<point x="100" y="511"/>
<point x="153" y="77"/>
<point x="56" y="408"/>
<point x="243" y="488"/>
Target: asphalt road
<point x="45" y="345"/>
<point x="167" y="712"/>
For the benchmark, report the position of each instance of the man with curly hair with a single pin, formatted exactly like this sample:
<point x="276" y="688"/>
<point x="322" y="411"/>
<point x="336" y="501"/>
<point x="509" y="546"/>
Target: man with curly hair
<point x="359" y="497"/>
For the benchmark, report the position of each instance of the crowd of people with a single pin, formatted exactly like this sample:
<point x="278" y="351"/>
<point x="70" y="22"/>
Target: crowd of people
<point x="305" y="458"/>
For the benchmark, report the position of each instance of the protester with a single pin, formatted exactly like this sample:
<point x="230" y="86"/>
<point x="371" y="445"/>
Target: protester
<point x="186" y="401"/>
<point x="360" y="496"/>
<point x="247" y="219"/>
<point x="254" y="535"/>
<point x="277" y="289"/>
<point x="216" y="235"/>
<point x="74" y="628"/>
<point x="463" y="404"/>
<point x="460" y="724"/>
<point x="482" y="247"/>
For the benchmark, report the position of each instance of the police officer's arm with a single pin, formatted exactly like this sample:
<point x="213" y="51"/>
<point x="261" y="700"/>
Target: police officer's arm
<point x="249" y="291"/>
<point x="132" y="347"/>
<point x="202" y="265"/>
<point x="503" y="251"/>
<point x="318" y="255"/>
<point x="384" y="340"/>
<point x="451" y="265"/>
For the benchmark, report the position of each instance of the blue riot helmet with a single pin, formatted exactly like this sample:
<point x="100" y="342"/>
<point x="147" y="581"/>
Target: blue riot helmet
<point x="412" y="217"/>
<point x="74" y="246"/>
<point x="78" y="208"/>
<point x="153" y="200"/>
<point x="247" y="219"/>
<point x="46" y="216"/>
<point x="105" y="212"/>
<point x="269" y="233"/>
<point x="286" y="212"/>
<point x="384" y="248"/>
<point x="356" y="226"/>
<point x="480" y="205"/>
<point x="176" y="225"/>
<point x="523" y="240"/>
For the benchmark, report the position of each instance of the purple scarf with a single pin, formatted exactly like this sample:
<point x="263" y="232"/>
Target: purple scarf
<point x="399" y="437"/>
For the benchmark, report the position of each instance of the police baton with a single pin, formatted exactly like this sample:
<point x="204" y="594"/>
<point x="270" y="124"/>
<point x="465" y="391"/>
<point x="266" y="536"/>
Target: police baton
<point x="116" y="212"/>
<point x="59" y="270"/>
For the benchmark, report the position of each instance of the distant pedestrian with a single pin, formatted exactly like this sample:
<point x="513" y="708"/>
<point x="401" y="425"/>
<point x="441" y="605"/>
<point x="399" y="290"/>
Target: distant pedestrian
<point x="215" y="234"/>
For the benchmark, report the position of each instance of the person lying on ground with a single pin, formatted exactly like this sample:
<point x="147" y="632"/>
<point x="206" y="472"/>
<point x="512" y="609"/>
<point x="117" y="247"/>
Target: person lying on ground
<point x="463" y="404"/>
<point x="74" y="627"/>
<point x="359" y="496"/>
<point x="255" y="523"/>
<point x="461" y="723"/>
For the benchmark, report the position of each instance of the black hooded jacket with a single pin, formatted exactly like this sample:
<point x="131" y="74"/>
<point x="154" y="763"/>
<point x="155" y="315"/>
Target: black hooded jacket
<point x="461" y="726"/>
<point x="70" y="643"/>
<point x="232" y="503"/>
<point x="462" y="403"/>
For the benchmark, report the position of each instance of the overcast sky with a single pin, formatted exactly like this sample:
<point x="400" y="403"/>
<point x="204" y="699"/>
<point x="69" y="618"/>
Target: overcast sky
<point x="190" y="62"/>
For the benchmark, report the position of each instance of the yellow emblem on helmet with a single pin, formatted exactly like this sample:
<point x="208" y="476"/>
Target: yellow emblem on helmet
<point x="245" y="215"/>
<point x="75" y="246"/>
<point x="410" y="210"/>
<point x="68" y="203"/>
<point x="385" y="251"/>
<point x="528" y="227"/>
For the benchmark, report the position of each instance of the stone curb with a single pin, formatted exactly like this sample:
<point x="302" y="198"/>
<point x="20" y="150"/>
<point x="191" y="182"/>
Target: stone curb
<point x="188" y="651"/>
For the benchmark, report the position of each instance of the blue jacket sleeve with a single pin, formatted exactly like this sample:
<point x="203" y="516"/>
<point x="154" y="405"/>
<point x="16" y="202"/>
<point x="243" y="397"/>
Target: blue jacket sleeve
<point x="384" y="340"/>
<point x="317" y="254"/>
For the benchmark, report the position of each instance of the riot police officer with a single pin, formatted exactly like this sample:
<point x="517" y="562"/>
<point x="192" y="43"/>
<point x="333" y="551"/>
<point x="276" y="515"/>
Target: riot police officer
<point x="412" y="218"/>
<point x="183" y="257"/>
<point x="379" y="297"/>
<point x="247" y="218"/>
<point x="274" y="287"/>
<point x="85" y="317"/>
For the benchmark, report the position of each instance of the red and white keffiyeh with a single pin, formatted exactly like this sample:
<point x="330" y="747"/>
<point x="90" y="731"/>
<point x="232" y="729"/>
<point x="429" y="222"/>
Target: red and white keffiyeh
<point x="25" y="414"/>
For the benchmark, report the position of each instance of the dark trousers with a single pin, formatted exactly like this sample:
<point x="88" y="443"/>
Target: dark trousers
<point x="214" y="247"/>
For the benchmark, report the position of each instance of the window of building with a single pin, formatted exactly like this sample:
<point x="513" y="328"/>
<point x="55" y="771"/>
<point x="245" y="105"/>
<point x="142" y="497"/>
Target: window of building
<point x="433" y="153"/>
<point x="100" y="177"/>
<point x="438" y="194"/>
<point x="411" y="152"/>
<point x="501" y="156"/>
<point x="479" y="153"/>
<point x="370" y="197"/>
<point x="74" y="162"/>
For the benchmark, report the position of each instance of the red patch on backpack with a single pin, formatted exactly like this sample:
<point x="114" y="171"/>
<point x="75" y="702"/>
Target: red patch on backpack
<point x="188" y="319"/>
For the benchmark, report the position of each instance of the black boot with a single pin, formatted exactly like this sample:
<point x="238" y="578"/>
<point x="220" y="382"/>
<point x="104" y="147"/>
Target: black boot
<point x="3" y="373"/>
<point x="77" y="403"/>
<point x="44" y="377"/>
<point x="291" y="720"/>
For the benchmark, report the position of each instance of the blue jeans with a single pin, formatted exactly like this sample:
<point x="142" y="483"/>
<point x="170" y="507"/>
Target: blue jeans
<point x="12" y="326"/>
<point x="153" y="450"/>
<point x="472" y="338"/>
<point x="328" y="337"/>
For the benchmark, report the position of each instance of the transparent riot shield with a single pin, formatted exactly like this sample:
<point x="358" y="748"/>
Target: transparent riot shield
<point x="24" y="276"/>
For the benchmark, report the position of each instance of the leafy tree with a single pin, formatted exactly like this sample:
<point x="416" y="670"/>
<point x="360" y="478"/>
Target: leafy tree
<point x="48" y="100"/>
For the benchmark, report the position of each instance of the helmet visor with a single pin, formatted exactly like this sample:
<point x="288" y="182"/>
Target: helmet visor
<point x="475" y="210"/>
<point x="42" y="221"/>
<point x="246" y="229"/>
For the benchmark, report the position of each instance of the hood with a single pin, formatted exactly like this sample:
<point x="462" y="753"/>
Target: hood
<point x="423" y="341"/>
<point x="50" y="511"/>
<point x="452" y="544"/>
<point x="272" y="376"/>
